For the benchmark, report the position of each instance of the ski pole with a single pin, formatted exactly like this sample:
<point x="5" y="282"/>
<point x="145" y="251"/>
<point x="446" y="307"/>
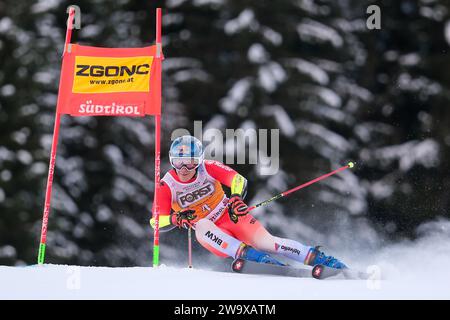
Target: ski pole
<point x="190" y="248"/>
<point x="283" y="194"/>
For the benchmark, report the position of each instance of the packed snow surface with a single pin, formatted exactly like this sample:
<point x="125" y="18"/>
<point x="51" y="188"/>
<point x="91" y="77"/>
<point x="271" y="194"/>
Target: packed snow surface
<point x="404" y="270"/>
<point x="72" y="282"/>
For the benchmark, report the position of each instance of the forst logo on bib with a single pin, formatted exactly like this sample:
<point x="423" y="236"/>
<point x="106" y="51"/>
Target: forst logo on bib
<point x="112" y="74"/>
<point x="191" y="197"/>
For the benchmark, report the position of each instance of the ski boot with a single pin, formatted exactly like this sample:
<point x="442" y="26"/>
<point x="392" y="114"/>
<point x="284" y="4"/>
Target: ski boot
<point x="248" y="253"/>
<point x="323" y="266"/>
<point x="317" y="257"/>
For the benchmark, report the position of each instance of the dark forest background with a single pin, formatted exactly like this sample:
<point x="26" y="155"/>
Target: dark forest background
<point x="336" y="90"/>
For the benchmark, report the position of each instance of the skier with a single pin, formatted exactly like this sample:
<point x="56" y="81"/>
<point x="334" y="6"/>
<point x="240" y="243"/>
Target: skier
<point x="191" y="196"/>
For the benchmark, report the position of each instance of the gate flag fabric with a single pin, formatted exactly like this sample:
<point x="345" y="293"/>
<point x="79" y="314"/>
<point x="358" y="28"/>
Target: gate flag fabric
<point x="120" y="82"/>
<point x="110" y="82"/>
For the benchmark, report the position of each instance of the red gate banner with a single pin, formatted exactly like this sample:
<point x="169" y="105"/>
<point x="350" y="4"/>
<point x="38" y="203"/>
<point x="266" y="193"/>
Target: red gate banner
<point x="110" y="82"/>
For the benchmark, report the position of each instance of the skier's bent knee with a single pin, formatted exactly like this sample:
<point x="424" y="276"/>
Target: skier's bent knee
<point x="202" y="226"/>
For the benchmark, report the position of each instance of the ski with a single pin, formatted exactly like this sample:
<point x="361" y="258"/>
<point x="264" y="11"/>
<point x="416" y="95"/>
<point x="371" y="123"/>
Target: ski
<point x="319" y="272"/>
<point x="323" y="272"/>
<point x="251" y="267"/>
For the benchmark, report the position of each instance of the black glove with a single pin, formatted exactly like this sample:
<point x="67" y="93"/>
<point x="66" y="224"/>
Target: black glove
<point x="237" y="207"/>
<point x="183" y="218"/>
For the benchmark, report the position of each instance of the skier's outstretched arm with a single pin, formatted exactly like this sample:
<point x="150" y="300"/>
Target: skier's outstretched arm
<point x="168" y="218"/>
<point x="165" y="209"/>
<point x="228" y="177"/>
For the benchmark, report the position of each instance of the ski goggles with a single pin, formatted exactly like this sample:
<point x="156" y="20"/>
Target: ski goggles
<point x="189" y="163"/>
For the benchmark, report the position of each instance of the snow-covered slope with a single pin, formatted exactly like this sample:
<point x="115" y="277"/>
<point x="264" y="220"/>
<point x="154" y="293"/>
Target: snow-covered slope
<point x="69" y="282"/>
<point x="408" y="269"/>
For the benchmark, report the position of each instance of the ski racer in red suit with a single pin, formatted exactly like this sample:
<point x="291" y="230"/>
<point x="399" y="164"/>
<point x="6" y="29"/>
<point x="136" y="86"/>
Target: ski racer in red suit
<point x="191" y="196"/>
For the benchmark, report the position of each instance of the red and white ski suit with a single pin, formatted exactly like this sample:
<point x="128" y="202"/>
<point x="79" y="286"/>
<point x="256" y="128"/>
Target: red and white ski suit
<point x="213" y="227"/>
